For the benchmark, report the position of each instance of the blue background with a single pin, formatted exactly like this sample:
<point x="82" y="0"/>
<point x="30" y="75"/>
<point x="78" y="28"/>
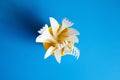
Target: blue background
<point x="98" y="21"/>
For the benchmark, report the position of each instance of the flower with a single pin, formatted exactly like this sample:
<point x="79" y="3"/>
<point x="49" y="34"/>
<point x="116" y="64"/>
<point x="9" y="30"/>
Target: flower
<point x="59" y="39"/>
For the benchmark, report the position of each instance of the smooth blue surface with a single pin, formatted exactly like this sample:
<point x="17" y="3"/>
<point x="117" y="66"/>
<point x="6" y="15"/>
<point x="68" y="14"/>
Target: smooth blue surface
<point x="98" y="21"/>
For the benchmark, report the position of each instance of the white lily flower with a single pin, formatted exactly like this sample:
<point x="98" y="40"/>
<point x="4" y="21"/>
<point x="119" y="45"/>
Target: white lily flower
<point x="58" y="39"/>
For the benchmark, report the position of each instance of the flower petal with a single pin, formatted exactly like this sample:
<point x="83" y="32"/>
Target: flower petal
<point x="54" y="25"/>
<point x="69" y="38"/>
<point x="66" y="51"/>
<point x="45" y="36"/>
<point x="72" y="39"/>
<point x="65" y="24"/>
<point x="43" y="29"/>
<point x="41" y="38"/>
<point x="69" y="32"/>
<point x="72" y="31"/>
<point x="49" y="52"/>
<point x="57" y="54"/>
<point x="75" y="52"/>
